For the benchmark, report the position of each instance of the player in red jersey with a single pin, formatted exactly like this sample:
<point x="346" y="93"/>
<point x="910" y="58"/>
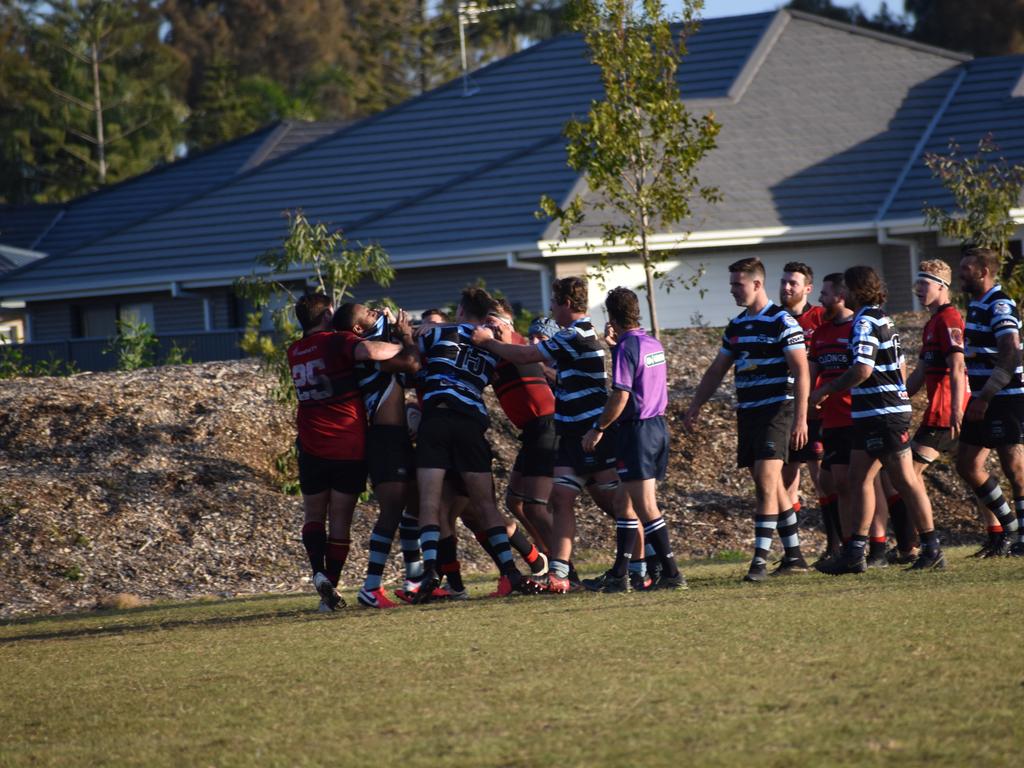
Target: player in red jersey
<point x="795" y="289"/>
<point x="331" y="421"/>
<point x="829" y="358"/>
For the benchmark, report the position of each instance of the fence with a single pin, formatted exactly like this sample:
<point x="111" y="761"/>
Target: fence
<point x="88" y="355"/>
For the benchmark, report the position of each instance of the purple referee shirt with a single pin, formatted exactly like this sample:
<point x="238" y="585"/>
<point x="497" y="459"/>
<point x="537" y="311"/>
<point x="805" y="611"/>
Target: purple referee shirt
<point x="639" y="368"/>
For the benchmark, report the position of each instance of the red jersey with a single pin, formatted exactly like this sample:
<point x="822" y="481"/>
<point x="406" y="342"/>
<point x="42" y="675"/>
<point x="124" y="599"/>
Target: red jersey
<point x="812" y="318"/>
<point x="830" y="351"/>
<point x="331" y="416"/>
<point x="943" y="334"/>
<point x="522" y="390"/>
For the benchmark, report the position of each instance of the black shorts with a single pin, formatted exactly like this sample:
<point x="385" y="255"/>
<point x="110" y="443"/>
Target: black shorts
<point x="642" y="449"/>
<point x="1001" y="426"/>
<point x="389" y="454"/>
<point x="938" y="438"/>
<point x="814" y="450"/>
<point x="838" y="443"/>
<point x="764" y="433"/>
<point x="882" y="436"/>
<point x="571" y="454"/>
<point x="317" y="475"/>
<point x="450" y="440"/>
<point x="536" y="458"/>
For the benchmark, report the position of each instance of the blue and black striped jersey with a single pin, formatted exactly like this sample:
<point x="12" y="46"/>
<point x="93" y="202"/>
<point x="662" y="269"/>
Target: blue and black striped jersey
<point x="758" y="344"/>
<point x="993" y="315"/>
<point x="456" y="371"/>
<point x="875" y="341"/>
<point x="582" y="385"/>
<point x="375" y="384"/>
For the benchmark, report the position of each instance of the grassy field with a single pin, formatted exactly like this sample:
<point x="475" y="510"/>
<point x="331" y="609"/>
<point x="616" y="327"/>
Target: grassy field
<point x="889" y="668"/>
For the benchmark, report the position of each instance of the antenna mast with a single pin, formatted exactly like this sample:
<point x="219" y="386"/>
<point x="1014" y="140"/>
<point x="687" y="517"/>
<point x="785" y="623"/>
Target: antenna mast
<point x="470" y="13"/>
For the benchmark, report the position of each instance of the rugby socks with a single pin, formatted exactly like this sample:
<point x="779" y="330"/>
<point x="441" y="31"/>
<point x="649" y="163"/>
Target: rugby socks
<point x="626" y="531"/>
<point x="789" y="533"/>
<point x="1018" y="504"/>
<point x="482" y="540"/>
<point x="498" y="539"/>
<point x="337" y="554"/>
<point x="409" y="536"/>
<point x="650" y="555"/>
<point x="447" y="557"/>
<point x="429" y="535"/>
<point x="930" y="541"/>
<point x="380" y="549"/>
<point x="829" y="506"/>
<point x="764" y="530"/>
<point x="902" y="526"/>
<point x="639" y="567"/>
<point x="314" y="539"/>
<point x="991" y="495"/>
<point x="560" y="568"/>
<point x="856" y="546"/>
<point x="522" y="545"/>
<point x="876" y="546"/>
<point x="656" y="534"/>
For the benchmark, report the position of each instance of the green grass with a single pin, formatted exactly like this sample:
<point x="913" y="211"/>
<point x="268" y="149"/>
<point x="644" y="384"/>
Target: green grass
<point x="888" y="668"/>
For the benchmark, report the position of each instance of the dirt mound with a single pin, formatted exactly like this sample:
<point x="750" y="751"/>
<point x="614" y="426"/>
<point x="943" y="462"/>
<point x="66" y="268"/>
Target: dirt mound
<point x="164" y="483"/>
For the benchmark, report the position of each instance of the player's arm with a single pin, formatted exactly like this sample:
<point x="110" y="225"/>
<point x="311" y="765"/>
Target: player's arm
<point x="796" y="359"/>
<point x="957" y="389"/>
<point x="408" y="360"/>
<point x="855" y="374"/>
<point x="916" y="379"/>
<point x="709" y="382"/>
<point x="1008" y="357"/>
<point x="813" y="370"/>
<point x="613" y="408"/>
<point x="376" y="350"/>
<point x="519" y="354"/>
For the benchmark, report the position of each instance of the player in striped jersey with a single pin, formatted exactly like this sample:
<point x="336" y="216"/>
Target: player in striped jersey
<point x="451" y="437"/>
<point x="880" y="408"/>
<point x="766" y="346"/>
<point x="389" y="451"/>
<point x="994" y="412"/>
<point x="829" y="358"/>
<point x="578" y="355"/>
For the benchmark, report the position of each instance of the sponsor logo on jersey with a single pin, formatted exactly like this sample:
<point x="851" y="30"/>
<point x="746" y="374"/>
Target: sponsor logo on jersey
<point x="788" y="320"/>
<point x="654" y="359"/>
<point x="1001" y="308"/>
<point x="864" y="349"/>
<point x="863" y="326"/>
<point x="956" y="337"/>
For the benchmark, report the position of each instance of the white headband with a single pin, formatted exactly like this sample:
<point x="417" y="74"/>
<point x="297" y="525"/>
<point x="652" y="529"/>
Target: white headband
<point x="933" y="278"/>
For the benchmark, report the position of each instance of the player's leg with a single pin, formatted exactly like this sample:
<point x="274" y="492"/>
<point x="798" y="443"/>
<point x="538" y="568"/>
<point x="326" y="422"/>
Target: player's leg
<point x="878" y="535"/>
<point x="1011" y="460"/>
<point x="767" y="477"/>
<point x="899" y="467"/>
<point x="789" y="531"/>
<point x="970" y="465"/>
<point x="391" y="498"/>
<point x="861" y="477"/>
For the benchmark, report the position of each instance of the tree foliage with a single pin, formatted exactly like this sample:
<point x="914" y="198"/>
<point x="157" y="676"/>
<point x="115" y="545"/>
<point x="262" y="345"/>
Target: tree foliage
<point x="985" y="187"/>
<point x="639" y="147"/>
<point x="309" y="252"/>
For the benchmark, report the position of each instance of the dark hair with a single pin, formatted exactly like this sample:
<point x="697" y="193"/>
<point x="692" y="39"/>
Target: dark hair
<point x="866" y="287"/>
<point x="836" y="278"/>
<point x="310" y="310"/>
<point x="476" y="302"/>
<point x="434" y="311"/>
<point x="751" y="266"/>
<point x="623" y="307"/>
<point x="989" y="258"/>
<point x="800" y="267"/>
<point x="344" y="317"/>
<point x="504" y="306"/>
<point x="572" y="290"/>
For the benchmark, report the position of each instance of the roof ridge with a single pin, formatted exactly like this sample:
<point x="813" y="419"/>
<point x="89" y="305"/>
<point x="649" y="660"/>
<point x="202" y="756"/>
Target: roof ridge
<point x="884" y="37"/>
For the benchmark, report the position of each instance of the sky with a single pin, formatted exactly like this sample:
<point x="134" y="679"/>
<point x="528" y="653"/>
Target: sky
<point x="716" y="8"/>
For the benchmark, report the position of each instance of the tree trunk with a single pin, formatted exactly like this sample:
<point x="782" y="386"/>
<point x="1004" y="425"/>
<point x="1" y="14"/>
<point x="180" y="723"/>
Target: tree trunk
<point x="649" y="273"/>
<point x="97" y="104"/>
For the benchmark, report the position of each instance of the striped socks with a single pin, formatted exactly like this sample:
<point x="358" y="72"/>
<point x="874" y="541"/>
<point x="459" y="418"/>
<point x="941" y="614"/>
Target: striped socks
<point x="380" y="548"/>
<point x="656" y="536"/>
<point x="409" y="537"/>
<point x="991" y="496"/>
<point x="429" y="536"/>
<point x="764" y="530"/>
<point x="626" y="532"/>
<point x="1019" y="522"/>
<point x="789" y="533"/>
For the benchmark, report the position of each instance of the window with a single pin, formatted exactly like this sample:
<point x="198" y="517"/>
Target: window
<point x="98" y="322"/>
<point x="136" y="314"/>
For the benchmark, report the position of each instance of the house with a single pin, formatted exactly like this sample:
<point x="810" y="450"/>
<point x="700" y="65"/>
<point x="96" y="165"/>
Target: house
<point x="819" y="160"/>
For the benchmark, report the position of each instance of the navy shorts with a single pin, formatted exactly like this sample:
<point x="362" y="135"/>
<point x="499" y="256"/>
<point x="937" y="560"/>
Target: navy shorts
<point x="642" y="449"/>
<point x="763" y="433"/>
<point x="838" y="443"/>
<point x="815" y="448"/>
<point x="882" y="436"/>
<point x="536" y="457"/>
<point x="583" y="464"/>
<point x="1001" y="425"/>
<point x="317" y="474"/>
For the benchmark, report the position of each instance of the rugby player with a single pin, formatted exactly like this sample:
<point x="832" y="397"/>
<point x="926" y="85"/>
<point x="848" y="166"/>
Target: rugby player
<point x="829" y="358"/>
<point x="996" y="407"/>
<point x="766" y="346"/>
<point x="451" y="437"/>
<point x="389" y="450"/>
<point x="881" y="417"/>
<point x="578" y="356"/>
<point x="636" y="406"/>
<point x="331" y="443"/>
<point x="795" y="288"/>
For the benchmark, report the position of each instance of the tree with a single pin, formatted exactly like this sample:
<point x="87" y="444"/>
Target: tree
<point x="638" y="148"/>
<point x="108" y="74"/>
<point x="309" y="250"/>
<point x="883" y="21"/>
<point x="982" y="27"/>
<point x="985" y="188"/>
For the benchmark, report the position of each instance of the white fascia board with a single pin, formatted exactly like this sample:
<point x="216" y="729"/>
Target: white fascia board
<point x="713" y="239"/>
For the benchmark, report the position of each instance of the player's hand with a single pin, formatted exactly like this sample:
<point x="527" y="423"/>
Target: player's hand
<point x="976" y="409"/>
<point x="482" y="334"/>
<point x="817" y="397"/>
<point x="691" y="419"/>
<point x="423" y="329"/>
<point x="954" y="426"/>
<point x="388" y="313"/>
<point x="591" y="439"/>
<point x="500" y="331"/>
<point x="799" y="435"/>
<point x="403" y="326"/>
